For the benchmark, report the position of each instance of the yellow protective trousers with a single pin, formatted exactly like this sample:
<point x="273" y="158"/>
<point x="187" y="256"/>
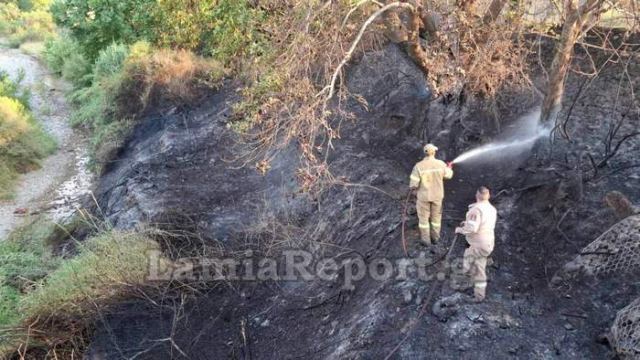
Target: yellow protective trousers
<point x="429" y="219"/>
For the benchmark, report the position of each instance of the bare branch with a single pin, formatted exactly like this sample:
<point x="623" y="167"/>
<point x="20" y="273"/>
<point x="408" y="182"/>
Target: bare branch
<point x="354" y="45"/>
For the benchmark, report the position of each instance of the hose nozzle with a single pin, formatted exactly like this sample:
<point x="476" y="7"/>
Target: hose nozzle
<point x="450" y="164"/>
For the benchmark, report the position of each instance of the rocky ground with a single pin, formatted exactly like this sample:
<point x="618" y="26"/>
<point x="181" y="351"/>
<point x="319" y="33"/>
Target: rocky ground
<point x="177" y="172"/>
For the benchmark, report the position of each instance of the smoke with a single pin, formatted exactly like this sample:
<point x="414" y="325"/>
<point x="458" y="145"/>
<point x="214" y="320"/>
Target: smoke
<point x="518" y="139"/>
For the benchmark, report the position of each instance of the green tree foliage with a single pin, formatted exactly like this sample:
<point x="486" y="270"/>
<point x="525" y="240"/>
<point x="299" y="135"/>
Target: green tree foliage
<point x="96" y="24"/>
<point x="221" y="28"/>
<point x="21" y="26"/>
<point x="224" y="29"/>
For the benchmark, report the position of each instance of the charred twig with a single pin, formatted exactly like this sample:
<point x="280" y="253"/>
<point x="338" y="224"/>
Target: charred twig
<point x="617" y="170"/>
<point x="321" y="303"/>
<point x="563" y="127"/>
<point x="575" y="315"/>
<point x="612" y="153"/>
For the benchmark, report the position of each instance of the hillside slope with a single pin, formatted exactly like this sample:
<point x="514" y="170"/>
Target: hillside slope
<point x="175" y="172"/>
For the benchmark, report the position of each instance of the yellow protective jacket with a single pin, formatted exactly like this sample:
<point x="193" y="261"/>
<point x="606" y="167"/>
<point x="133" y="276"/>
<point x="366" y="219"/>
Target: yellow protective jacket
<point x="428" y="176"/>
<point x="479" y="225"/>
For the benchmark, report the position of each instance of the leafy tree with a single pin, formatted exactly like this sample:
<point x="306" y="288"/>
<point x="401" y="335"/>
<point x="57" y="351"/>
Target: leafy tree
<point x="98" y="23"/>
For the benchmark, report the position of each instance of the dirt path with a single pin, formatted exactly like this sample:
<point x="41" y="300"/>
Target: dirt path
<point x="63" y="178"/>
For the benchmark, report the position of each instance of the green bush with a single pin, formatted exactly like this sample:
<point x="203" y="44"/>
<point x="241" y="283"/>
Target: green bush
<point x="77" y="70"/>
<point x="61" y="297"/>
<point x="14" y="120"/>
<point x="12" y="89"/>
<point x="9" y="14"/>
<point x="224" y="29"/>
<point x="21" y="26"/>
<point x="9" y="298"/>
<point x="20" y="266"/>
<point x="234" y="31"/>
<point x="98" y="23"/>
<point x="110" y="62"/>
<point x="90" y="106"/>
<point x="22" y="141"/>
<point x="25" y="257"/>
<point x="58" y="50"/>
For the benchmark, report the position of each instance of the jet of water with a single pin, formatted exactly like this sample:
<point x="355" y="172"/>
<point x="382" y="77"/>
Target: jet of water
<point x="529" y="130"/>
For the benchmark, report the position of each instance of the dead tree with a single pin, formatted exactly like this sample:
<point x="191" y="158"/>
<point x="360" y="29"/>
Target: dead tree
<point x="578" y="19"/>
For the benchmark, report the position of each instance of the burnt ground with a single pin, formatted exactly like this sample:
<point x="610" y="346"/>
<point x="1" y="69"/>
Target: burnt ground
<point x="175" y="172"/>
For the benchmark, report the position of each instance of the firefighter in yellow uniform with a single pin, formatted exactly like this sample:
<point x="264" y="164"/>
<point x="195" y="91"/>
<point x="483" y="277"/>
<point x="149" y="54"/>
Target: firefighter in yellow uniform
<point x="427" y="178"/>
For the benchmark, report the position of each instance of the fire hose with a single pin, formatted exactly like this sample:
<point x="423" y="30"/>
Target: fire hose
<point x="428" y="298"/>
<point x="404" y="221"/>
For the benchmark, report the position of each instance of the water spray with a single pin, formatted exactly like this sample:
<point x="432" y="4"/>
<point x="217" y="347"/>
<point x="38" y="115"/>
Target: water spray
<point x="519" y="142"/>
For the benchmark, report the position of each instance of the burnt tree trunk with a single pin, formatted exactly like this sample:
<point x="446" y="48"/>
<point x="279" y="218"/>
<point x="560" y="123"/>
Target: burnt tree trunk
<point x="577" y="18"/>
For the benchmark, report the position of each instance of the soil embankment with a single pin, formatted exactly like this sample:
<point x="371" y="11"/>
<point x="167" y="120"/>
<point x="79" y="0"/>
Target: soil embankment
<point x="175" y="172"/>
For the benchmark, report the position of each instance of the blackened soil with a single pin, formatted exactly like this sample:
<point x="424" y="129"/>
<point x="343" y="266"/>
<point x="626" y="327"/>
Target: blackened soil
<point x="174" y="168"/>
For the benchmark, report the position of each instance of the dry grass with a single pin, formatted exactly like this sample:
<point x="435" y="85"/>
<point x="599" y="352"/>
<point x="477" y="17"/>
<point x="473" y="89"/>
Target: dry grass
<point x="176" y="77"/>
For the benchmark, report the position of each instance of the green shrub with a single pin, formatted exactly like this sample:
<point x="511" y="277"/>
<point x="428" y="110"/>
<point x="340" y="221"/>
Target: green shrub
<point x="9" y="14"/>
<point x="9" y="298"/>
<point x="22" y="141"/>
<point x="25" y="257"/>
<point x="57" y="50"/>
<point x="62" y="301"/>
<point x="21" y="266"/>
<point x="90" y="105"/>
<point x="21" y="27"/>
<point x="110" y="61"/>
<point x="98" y="23"/>
<point x="77" y="70"/>
<point x="224" y="29"/>
<point x="182" y="23"/>
<point x="234" y="31"/>
<point x="12" y="89"/>
<point x="14" y="120"/>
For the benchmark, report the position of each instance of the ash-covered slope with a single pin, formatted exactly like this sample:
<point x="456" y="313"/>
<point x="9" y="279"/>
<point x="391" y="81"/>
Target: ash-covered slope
<point x="174" y="171"/>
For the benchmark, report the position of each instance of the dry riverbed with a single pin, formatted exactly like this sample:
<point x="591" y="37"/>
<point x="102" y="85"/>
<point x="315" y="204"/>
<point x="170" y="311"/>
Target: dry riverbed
<point x="57" y="187"/>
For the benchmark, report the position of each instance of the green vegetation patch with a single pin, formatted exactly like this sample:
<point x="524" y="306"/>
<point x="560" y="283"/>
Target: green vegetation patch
<point x="25" y="21"/>
<point x="45" y="298"/>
